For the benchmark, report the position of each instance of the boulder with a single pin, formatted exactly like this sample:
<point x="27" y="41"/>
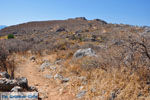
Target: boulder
<point x="4" y="74"/>
<point x="84" y="52"/>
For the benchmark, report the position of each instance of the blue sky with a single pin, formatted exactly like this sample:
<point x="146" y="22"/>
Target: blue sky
<point x="134" y="12"/>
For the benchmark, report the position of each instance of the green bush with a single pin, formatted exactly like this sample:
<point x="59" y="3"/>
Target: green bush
<point x="10" y="36"/>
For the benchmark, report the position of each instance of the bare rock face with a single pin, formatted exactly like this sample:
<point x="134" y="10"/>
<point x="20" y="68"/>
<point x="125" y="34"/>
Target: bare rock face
<point x="84" y="52"/>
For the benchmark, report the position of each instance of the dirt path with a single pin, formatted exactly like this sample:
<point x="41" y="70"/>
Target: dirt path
<point x="46" y="89"/>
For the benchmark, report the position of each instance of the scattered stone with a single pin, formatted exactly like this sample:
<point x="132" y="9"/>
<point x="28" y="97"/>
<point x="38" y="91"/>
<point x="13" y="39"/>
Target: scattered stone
<point x="81" y="94"/>
<point x="58" y="76"/>
<point x="84" y="52"/>
<point x="64" y="80"/>
<point x="4" y="74"/>
<point x="48" y="76"/>
<point x="46" y="64"/>
<point x="16" y="89"/>
<point x="31" y="88"/>
<point x="80" y="88"/>
<point x="53" y="67"/>
<point x="58" y="62"/>
<point x="33" y="58"/>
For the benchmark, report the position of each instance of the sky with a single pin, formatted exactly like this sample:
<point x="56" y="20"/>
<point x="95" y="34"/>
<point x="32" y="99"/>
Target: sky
<point x="134" y="12"/>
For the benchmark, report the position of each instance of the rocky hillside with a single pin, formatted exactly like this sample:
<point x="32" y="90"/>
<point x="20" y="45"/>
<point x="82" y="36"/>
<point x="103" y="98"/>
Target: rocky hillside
<point x="78" y="59"/>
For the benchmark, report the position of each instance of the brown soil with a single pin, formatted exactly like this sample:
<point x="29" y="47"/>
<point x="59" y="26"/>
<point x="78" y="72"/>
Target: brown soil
<point x="47" y="90"/>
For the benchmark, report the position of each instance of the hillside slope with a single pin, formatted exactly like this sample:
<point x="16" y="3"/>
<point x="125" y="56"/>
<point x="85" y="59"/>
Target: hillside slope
<point x="79" y="59"/>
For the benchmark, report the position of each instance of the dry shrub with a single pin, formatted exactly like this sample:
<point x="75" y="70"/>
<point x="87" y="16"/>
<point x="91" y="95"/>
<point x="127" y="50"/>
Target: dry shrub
<point x="122" y="82"/>
<point x="105" y="82"/>
<point x="6" y="63"/>
<point x="88" y="63"/>
<point x="3" y="59"/>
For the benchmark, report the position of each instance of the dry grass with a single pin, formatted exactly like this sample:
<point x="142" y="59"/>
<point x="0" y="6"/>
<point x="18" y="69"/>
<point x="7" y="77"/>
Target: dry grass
<point x="123" y="82"/>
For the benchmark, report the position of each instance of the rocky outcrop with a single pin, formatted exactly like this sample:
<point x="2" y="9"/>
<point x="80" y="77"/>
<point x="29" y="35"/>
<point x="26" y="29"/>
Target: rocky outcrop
<point x="7" y="84"/>
<point x="99" y="20"/>
<point x="80" y="18"/>
<point x="14" y="85"/>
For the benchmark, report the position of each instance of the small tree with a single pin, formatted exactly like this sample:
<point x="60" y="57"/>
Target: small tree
<point x="10" y="36"/>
